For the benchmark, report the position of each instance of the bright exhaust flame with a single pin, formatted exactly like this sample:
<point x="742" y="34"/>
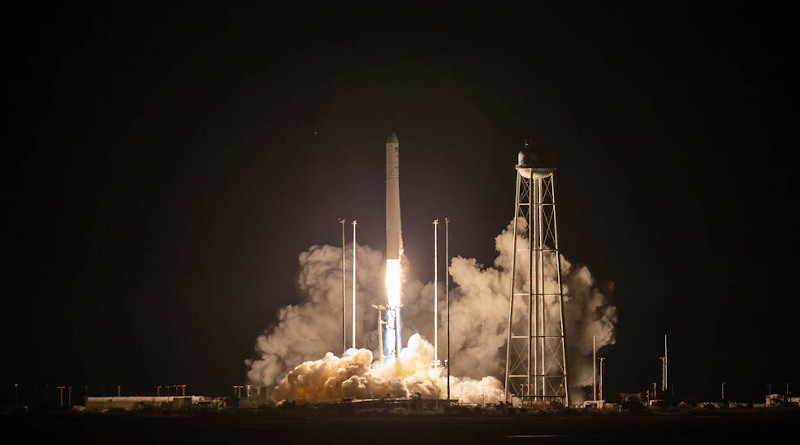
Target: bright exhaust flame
<point x="393" y="282"/>
<point x="393" y="339"/>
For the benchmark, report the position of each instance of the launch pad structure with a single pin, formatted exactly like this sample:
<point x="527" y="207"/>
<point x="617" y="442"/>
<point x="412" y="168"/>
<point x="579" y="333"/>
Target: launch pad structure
<point x="536" y="362"/>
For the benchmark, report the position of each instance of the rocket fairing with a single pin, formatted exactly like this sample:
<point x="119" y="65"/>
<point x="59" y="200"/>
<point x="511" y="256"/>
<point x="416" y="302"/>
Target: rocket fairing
<point x="394" y="241"/>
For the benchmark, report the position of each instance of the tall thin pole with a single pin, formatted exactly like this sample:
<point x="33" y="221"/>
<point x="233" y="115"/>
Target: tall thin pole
<point x="602" y="364"/>
<point x="594" y="368"/>
<point x="435" y="291"/>
<point x="354" y="283"/>
<point x="447" y="295"/>
<point x="666" y="365"/>
<point x="344" y="292"/>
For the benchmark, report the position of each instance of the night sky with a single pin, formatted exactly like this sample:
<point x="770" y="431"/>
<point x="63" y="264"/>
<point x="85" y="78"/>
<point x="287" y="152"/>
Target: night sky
<point x="165" y="163"/>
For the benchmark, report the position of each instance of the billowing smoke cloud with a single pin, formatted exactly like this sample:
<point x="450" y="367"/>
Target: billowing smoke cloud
<point x="478" y="320"/>
<point x="355" y="375"/>
<point x="479" y="315"/>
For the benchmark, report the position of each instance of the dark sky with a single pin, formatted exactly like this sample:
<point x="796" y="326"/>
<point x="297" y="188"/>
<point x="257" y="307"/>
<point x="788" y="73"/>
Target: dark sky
<point x="165" y="163"/>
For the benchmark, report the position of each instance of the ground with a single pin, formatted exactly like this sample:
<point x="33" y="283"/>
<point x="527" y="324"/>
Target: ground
<point x="705" y="427"/>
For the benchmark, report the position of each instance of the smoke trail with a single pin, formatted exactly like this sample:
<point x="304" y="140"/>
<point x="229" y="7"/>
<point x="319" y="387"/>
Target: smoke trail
<point x="478" y="314"/>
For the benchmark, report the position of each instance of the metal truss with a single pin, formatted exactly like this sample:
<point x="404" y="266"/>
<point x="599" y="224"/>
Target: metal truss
<point x="536" y="362"/>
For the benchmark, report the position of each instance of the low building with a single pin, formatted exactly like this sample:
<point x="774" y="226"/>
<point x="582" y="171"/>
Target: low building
<point x="134" y="402"/>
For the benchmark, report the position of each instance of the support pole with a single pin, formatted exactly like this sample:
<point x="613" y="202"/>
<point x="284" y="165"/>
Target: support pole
<point x="344" y="293"/>
<point x="509" y="368"/>
<point x="594" y="369"/>
<point x="540" y="290"/>
<point x="447" y="295"/>
<point x="435" y="292"/>
<point x="532" y="302"/>
<point x="560" y="294"/>
<point x="664" y="386"/>
<point x="602" y="364"/>
<point x="354" y="283"/>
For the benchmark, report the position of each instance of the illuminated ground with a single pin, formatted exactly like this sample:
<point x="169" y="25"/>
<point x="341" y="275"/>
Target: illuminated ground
<point x="754" y="427"/>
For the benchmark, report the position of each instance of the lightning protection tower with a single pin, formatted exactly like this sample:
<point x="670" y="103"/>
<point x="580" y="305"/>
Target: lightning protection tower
<point x="536" y="362"/>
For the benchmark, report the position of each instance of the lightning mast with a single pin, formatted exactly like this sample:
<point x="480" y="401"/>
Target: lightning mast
<point x="602" y="364"/>
<point x="447" y="295"/>
<point x="594" y="368"/>
<point x="344" y="293"/>
<point x="436" y="292"/>
<point x="536" y="363"/>
<point x="354" y="283"/>
<point x="664" y="367"/>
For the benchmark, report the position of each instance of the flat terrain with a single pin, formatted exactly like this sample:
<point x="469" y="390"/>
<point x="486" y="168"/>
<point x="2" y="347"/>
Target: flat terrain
<point x="723" y="427"/>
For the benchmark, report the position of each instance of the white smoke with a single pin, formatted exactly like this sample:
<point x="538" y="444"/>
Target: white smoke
<point x="479" y="313"/>
<point x="355" y="375"/>
<point x="478" y="324"/>
<point x="313" y="327"/>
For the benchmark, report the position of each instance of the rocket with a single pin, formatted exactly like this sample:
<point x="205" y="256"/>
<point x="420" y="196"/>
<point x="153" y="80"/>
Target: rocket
<point x="394" y="248"/>
<point x="394" y="240"/>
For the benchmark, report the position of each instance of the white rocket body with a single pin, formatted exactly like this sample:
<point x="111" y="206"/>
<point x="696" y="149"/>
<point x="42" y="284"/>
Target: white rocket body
<point x="394" y="248"/>
<point x="394" y="241"/>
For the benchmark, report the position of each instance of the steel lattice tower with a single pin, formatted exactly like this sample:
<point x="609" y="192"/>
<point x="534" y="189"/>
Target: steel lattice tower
<point x="536" y="362"/>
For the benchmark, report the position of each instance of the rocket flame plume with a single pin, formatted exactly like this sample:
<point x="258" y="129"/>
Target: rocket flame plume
<point x="306" y="330"/>
<point x="393" y="342"/>
<point x="393" y="280"/>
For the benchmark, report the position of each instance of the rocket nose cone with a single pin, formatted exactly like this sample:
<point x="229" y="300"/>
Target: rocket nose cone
<point x="392" y="139"/>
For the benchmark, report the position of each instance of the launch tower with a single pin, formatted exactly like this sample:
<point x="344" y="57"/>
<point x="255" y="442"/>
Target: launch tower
<point x="536" y="362"/>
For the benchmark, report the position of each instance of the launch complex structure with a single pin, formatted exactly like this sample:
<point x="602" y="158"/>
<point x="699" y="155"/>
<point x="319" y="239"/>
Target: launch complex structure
<point x="536" y="362"/>
<point x="536" y="359"/>
<point x="389" y="314"/>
